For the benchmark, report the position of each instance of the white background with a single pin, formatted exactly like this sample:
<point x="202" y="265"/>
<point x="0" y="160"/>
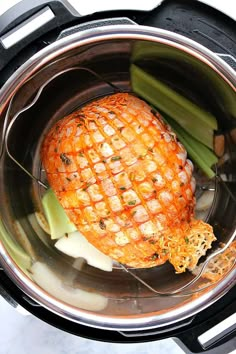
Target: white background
<point x="26" y="334"/>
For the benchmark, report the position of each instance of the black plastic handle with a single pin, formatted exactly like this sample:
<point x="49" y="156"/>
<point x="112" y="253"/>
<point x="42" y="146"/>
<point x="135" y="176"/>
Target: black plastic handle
<point x="199" y="22"/>
<point x="59" y="12"/>
<point x="187" y="332"/>
<point x="225" y="348"/>
<point x="190" y="337"/>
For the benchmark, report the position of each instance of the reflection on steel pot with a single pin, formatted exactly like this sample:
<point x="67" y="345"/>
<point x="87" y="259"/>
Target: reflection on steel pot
<point x="122" y="303"/>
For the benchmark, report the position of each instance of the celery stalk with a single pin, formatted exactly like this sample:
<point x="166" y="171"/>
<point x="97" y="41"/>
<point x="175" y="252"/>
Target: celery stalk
<point x="197" y="122"/>
<point x="199" y="153"/>
<point x="56" y="216"/>
<point x="17" y="253"/>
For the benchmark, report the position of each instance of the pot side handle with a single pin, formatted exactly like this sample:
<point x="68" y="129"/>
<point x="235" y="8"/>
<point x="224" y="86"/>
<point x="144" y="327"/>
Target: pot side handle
<point x="200" y="22"/>
<point x="29" y="20"/>
<point x="212" y="335"/>
<point x="213" y="331"/>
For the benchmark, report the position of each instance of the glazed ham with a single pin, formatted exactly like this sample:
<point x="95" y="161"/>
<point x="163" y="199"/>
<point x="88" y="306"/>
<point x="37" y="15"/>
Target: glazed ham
<point x="125" y="181"/>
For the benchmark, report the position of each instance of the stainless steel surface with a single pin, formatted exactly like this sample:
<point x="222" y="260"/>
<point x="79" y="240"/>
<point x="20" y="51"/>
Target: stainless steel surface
<point x="107" y="51"/>
<point x="184" y="289"/>
<point x="7" y="127"/>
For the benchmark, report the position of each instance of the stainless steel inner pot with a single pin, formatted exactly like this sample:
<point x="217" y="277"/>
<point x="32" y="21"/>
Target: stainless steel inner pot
<point x="81" y="293"/>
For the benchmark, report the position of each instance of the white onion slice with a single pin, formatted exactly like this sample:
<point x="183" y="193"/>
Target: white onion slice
<point x="205" y="201"/>
<point x="50" y="282"/>
<point x="76" y="245"/>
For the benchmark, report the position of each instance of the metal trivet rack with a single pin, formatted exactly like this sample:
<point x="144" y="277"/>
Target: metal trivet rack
<point x="183" y="290"/>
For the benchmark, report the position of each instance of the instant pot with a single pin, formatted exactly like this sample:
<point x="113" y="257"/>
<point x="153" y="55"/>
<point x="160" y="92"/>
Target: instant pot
<point x="53" y="60"/>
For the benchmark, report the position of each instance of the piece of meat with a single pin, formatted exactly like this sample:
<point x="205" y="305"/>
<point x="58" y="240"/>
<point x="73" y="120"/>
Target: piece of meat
<point x="123" y="178"/>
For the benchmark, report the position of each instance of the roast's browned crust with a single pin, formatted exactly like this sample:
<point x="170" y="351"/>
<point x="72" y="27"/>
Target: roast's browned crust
<point x="123" y="179"/>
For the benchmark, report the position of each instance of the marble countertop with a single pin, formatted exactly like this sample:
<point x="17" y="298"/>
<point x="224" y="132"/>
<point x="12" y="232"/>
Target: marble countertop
<point x="22" y="334"/>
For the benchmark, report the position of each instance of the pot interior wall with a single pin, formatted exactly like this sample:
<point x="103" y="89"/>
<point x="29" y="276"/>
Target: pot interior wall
<point x="21" y="196"/>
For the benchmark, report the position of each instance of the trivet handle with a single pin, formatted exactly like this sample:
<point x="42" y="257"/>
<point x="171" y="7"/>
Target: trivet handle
<point x="29" y="20"/>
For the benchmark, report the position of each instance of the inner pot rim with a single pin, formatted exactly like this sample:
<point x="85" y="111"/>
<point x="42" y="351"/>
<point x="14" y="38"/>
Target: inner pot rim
<point x="150" y="320"/>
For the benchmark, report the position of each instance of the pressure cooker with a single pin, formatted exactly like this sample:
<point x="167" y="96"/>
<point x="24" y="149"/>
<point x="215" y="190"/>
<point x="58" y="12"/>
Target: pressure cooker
<point x="53" y="60"/>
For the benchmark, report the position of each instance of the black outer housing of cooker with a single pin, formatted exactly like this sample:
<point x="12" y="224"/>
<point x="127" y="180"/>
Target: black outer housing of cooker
<point x="185" y="333"/>
<point x="197" y="21"/>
